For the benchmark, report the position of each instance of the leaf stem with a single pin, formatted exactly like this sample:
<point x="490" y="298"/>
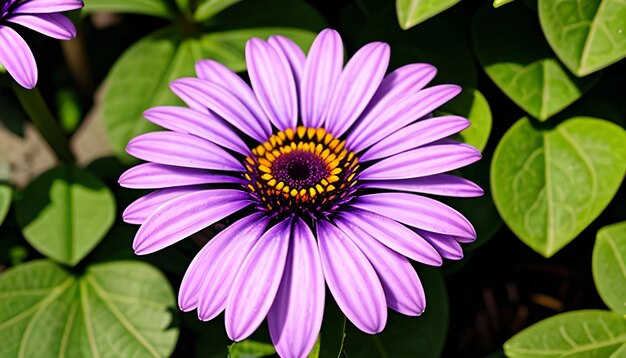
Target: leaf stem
<point x="38" y="112"/>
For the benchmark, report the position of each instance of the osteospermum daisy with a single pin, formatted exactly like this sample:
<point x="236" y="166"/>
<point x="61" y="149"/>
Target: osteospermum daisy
<point x="42" y="16"/>
<point x="317" y="166"/>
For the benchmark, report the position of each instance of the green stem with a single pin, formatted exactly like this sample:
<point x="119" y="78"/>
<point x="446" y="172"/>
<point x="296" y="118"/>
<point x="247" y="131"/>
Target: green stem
<point x="38" y="112"/>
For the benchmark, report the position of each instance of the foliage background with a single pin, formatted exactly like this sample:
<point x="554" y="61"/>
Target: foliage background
<point x="543" y="87"/>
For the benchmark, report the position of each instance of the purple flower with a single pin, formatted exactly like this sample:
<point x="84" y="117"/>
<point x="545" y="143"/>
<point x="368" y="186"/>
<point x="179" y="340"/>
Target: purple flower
<point x="40" y="15"/>
<point x="318" y="165"/>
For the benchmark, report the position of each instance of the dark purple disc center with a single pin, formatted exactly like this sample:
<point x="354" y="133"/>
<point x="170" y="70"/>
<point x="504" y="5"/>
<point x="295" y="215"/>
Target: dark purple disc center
<point x="299" y="169"/>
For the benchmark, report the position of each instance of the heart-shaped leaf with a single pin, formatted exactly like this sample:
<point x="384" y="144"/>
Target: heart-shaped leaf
<point x="521" y="63"/>
<point x="406" y="336"/>
<point x="609" y="266"/>
<point x="140" y="78"/>
<point x="117" y="309"/>
<point x="471" y="104"/>
<point x="588" y="333"/>
<point x="587" y="35"/>
<point x="145" y="7"/>
<point x="65" y="212"/>
<point x="549" y="184"/>
<point x="412" y="12"/>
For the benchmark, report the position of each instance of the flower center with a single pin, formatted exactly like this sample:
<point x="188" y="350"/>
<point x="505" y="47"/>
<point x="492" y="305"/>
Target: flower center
<point x="302" y="171"/>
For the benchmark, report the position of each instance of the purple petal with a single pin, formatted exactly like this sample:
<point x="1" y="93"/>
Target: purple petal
<point x="47" y="6"/>
<point x="418" y="211"/>
<point x="403" y="290"/>
<point x="221" y="75"/>
<point x="358" y="83"/>
<point x="296" y="315"/>
<point x="201" y="124"/>
<point x="186" y="215"/>
<point x="273" y="83"/>
<point x="210" y="275"/>
<point x="421" y="162"/>
<point x="319" y="79"/>
<point x="391" y="234"/>
<point x="257" y="282"/>
<point x="182" y="150"/>
<point x="351" y="279"/>
<point x="399" y="115"/>
<point x="54" y="25"/>
<point x="395" y="87"/>
<point x="438" y="184"/>
<point x="416" y="135"/>
<point x="139" y="210"/>
<point x="155" y="176"/>
<point x="293" y="53"/>
<point x="19" y="61"/>
<point x="447" y="246"/>
<point x="201" y="95"/>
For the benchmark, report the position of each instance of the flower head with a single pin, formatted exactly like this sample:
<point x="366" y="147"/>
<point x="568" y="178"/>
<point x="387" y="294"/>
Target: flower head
<point x="42" y="16"/>
<point x="318" y="167"/>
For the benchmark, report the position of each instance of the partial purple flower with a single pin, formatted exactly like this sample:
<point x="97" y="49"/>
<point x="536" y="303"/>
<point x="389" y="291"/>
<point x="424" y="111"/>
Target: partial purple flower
<point x="321" y="169"/>
<point x="42" y="16"/>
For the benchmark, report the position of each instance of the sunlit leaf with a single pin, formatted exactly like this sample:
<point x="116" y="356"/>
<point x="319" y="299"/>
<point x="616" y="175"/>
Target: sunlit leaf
<point x="498" y="3"/>
<point x="587" y="35"/>
<point x="250" y="349"/>
<point x="549" y="184"/>
<point x="521" y="63"/>
<point x="116" y="309"/>
<point x="609" y="266"/>
<point x="412" y="12"/>
<point x="65" y="212"/>
<point x="588" y="333"/>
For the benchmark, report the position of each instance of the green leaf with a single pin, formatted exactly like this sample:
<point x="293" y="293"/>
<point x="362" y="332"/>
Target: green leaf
<point x="208" y="8"/>
<point x="406" y="336"/>
<point x="412" y="12"/>
<point x="588" y="333"/>
<point x="609" y="266"/>
<point x="139" y="79"/>
<point x="250" y="349"/>
<point x="471" y="104"/>
<point x="587" y="35"/>
<point x="117" y="309"/>
<point x="498" y="3"/>
<point x="6" y="192"/>
<point x="65" y="212"/>
<point x="5" y="200"/>
<point x="549" y="184"/>
<point x="145" y="7"/>
<point x="521" y="63"/>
